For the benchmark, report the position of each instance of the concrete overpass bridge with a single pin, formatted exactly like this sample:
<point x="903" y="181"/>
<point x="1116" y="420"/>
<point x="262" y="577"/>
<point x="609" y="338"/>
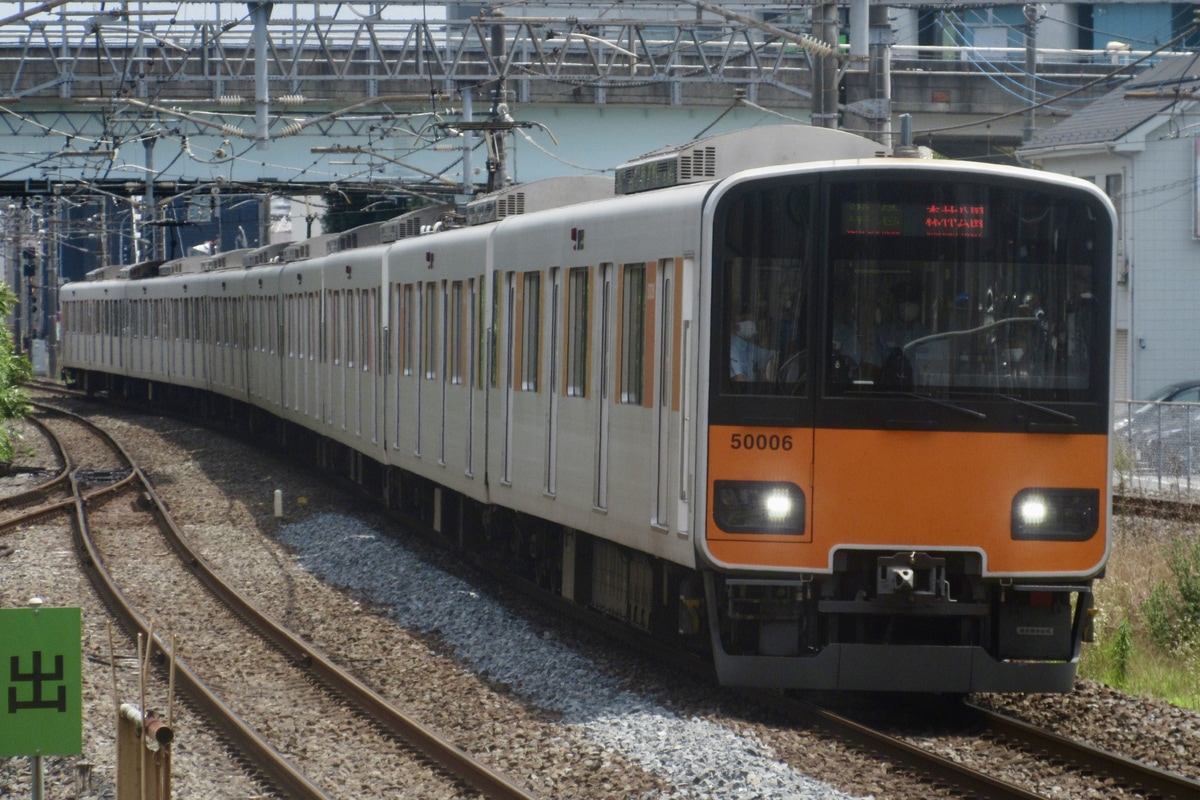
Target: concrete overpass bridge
<point x="134" y="132"/>
<point x="455" y="98"/>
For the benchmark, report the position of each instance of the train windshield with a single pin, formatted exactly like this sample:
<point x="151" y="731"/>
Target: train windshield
<point x="964" y="289"/>
<point x="922" y="284"/>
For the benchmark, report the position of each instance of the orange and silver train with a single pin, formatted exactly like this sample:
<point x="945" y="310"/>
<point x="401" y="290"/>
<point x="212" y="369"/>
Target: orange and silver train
<point x="838" y="418"/>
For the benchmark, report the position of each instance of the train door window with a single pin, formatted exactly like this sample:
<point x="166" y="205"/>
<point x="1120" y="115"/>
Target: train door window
<point x="301" y="321"/>
<point x="408" y="324"/>
<point x="235" y="323"/>
<point x="394" y="335"/>
<point x="633" y="333"/>
<point x="455" y="344"/>
<point x="362" y="323"/>
<point x="261" y="332"/>
<point x="429" y="338"/>
<point x="480" y="332"/>
<point x="289" y="342"/>
<point x="531" y="316"/>
<point x="497" y="296"/>
<point x="254" y="315"/>
<point x="578" y="284"/>
<point x="335" y="328"/>
<point x="353" y="325"/>
<point x="372" y="359"/>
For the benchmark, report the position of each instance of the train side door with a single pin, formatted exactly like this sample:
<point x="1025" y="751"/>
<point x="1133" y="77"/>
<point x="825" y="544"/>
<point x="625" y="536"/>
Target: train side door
<point x="551" y="455"/>
<point x="510" y="334"/>
<point x="604" y="377"/>
<point x="666" y="396"/>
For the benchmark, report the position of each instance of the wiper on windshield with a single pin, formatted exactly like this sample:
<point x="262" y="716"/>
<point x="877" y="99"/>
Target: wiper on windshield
<point x="1054" y="412"/>
<point x="946" y="404"/>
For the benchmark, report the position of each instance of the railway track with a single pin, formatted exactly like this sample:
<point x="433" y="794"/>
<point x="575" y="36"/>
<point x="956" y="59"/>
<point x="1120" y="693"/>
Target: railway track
<point x="109" y="560"/>
<point x="944" y="771"/>
<point x="1142" y="505"/>
<point x="1134" y="775"/>
<point x="966" y="725"/>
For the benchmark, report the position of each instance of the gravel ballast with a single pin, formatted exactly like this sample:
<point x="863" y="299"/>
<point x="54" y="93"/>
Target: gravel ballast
<point x="709" y="759"/>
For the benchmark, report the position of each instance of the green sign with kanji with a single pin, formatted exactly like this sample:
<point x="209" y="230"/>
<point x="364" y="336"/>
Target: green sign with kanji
<point x="41" y="682"/>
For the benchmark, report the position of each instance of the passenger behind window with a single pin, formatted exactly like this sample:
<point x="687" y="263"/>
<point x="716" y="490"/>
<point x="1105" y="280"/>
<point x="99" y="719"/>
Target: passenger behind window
<point x="747" y="360"/>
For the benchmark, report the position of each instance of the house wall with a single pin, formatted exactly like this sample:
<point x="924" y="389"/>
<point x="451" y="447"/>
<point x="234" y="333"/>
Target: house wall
<point x="1165" y="268"/>
<point x="1151" y="178"/>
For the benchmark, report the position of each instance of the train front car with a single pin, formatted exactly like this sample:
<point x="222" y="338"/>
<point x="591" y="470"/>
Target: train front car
<point x="908" y="469"/>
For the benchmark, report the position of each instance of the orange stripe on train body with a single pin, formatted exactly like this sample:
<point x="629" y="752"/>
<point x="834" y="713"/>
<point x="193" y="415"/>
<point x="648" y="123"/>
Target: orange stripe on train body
<point x="909" y="489"/>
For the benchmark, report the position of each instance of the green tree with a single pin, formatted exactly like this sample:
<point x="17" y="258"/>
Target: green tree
<point x="15" y="371"/>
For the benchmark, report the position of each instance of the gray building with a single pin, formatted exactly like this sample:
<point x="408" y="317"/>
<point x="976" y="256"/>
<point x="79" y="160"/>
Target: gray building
<point x="1139" y="143"/>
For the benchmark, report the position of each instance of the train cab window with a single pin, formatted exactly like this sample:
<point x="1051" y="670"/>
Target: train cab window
<point x="963" y="290"/>
<point x="763" y="248"/>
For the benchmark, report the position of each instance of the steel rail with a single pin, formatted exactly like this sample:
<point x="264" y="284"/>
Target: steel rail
<point x="433" y="746"/>
<point x="277" y="769"/>
<point x="929" y="765"/>
<point x="61" y="480"/>
<point x="970" y="781"/>
<point x="1156" y="782"/>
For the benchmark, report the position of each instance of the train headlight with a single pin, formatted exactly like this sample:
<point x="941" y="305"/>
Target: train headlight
<point x="758" y="507"/>
<point x="1061" y="515"/>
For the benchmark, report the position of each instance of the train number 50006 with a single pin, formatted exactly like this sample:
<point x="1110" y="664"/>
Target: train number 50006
<point x="760" y="441"/>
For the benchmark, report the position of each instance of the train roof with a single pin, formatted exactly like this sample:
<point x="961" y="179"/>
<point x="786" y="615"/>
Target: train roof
<point x="722" y="155"/>
<point x="694" y="162"/>
<point x="527" y="198"/>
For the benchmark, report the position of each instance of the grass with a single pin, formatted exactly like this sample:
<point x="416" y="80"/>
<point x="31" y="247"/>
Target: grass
<point x="1145" y="645"/>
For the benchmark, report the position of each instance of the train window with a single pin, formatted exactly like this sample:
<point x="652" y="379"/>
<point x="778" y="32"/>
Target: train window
<point x="408" y="324"/>
<point x="633" y="333"/>
<point x="531" y="324"/>
<point x="429" y="331"/>
<point x="335" y="327"/>
<point x="353" y="326"/>
<point x="477" y="303"/>
<point x="966" y="289"/>
<point x="765" y="241"/>
<point x="497" y="282"/>
<point x="577" y="331"/>
<point x="370" y="358"/>
<point x="456" y="333"/>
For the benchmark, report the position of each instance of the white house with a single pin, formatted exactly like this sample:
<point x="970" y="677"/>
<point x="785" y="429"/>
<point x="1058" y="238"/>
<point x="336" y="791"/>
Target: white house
<point x="1139" y="143"/>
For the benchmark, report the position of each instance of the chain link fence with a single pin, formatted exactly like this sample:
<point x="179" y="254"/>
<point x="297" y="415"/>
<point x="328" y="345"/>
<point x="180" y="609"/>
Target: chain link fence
<point x="1157" y="445"/>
